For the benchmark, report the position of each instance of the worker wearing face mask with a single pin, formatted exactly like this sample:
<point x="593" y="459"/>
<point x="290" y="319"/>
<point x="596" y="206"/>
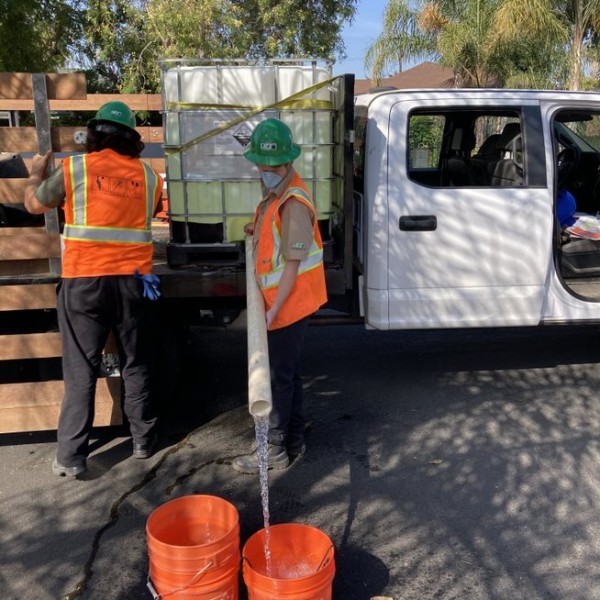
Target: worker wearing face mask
<point x="288" y="265"/>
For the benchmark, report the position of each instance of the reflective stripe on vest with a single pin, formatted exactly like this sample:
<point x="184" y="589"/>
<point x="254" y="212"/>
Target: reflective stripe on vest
<point x="315" y="254"/>
<point x="80" y="230"/>
<point x="107" y="234"/>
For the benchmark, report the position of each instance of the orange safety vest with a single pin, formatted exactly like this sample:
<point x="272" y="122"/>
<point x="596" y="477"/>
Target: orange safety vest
<point x="309" y="291"/>
<point x="110" y="200"/>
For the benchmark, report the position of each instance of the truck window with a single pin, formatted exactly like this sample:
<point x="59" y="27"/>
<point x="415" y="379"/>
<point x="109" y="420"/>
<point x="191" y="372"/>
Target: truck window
<point x="458" y="148"/>
<point x="425" y="135"/>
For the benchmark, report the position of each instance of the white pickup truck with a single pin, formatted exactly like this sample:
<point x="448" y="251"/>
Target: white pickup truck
<point x="437" y="207"/>
<point x="456" y="221"/>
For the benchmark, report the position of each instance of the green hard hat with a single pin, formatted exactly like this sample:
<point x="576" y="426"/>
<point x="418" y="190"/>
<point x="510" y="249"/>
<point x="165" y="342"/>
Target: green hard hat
<point x="114" y="112"/>
<point x="271" y="144"/>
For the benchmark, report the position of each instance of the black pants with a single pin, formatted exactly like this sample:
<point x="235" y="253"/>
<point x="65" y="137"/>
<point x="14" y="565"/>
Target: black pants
<point x="286" y="422"/>
<point x="88" y="309"/>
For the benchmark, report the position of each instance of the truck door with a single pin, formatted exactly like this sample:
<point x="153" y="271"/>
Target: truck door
<point x="469" y="225"/>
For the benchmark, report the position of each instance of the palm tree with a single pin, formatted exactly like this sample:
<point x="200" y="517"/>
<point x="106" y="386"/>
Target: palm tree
<point x="400" y="40"/>
<point x="521" y="43"/>
<point x="464" y="40"/>
<point x="457" y="34"/>
<point x="569" y="24"/>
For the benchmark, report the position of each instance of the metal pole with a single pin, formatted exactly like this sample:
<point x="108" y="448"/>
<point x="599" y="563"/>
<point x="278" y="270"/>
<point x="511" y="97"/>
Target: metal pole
<point x="42" y="125"/>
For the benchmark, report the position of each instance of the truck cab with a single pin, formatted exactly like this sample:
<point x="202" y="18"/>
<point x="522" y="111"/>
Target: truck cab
<point x="455" y="204"/>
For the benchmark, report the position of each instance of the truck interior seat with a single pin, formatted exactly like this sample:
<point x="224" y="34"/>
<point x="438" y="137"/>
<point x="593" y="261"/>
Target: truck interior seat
<point x="508" y="171"/>
<point x="460" y="172"/>
<point x="485" y="160"/>
<point x="580" y="258"/>
<point x="490" y="146"/>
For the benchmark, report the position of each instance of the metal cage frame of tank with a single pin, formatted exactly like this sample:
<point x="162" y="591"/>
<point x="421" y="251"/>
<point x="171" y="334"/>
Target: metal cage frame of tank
<point x="215" y="236"/>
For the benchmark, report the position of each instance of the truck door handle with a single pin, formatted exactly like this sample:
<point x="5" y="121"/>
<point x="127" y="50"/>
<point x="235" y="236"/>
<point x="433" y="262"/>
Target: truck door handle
<point x="418" y="223"/>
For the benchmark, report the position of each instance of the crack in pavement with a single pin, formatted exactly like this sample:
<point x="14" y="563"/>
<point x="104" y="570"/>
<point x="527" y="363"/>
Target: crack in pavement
<point x="114" y="518"/>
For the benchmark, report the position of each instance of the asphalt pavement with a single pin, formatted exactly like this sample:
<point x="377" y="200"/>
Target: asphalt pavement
<point x="442" y="465"/>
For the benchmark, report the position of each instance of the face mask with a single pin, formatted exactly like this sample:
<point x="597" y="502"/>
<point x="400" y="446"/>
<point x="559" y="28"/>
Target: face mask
<point x="270" y="179"/>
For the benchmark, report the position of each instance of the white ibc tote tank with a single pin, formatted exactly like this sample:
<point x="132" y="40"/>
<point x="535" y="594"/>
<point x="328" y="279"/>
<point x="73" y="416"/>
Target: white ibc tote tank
<point x="212" y="187"/>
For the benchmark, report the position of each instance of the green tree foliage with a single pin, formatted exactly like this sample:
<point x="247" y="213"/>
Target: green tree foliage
<point x="119" y="42"/>
<point x="111" y="42"/>
<point x="37" y="35"/>
<point x="188" y="29"/>
<point x="128" y="39"/>
<point x="401" y="39"/>
<point x="426" y="132"/>
<point x="555" y="24"/>
<point x="464" y="39"/>
<point x="516" y="43"/>
<point x="299" y="27"/>
<point x="469" y="41"/>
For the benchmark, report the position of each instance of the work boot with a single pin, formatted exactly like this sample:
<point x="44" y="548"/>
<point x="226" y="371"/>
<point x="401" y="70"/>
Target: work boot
<point x="145" y="449"/>
<point x="277" y="458"/>
<point x="296" y="451"/>
<point x="295" y="445"/>
<point x="63" y="471"/>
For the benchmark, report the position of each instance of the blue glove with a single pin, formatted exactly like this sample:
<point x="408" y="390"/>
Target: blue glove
<point x="151" y="283"/>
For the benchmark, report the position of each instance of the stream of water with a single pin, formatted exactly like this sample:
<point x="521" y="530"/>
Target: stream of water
<point x="261" y="425"/>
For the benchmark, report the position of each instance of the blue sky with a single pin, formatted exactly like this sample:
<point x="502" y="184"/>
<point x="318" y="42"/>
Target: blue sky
<point x="360" y="35"/>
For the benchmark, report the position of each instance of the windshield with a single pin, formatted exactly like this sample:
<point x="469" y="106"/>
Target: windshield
<point x="584" y="131"/>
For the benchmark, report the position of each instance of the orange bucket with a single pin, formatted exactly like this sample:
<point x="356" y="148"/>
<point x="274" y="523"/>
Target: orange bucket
<point x="194" y="549"/>
<point x="302" y="564"/>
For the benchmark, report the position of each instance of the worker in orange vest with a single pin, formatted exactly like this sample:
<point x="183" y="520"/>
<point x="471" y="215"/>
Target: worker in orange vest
<point x="109" y="196"/>
<point x="288" y="264"/>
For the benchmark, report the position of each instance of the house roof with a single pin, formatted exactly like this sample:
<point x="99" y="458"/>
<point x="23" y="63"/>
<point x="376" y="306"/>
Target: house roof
<point x="425" y="75"/>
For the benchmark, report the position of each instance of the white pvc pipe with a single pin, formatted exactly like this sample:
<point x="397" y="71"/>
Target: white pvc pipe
<point x="259" y="378"/>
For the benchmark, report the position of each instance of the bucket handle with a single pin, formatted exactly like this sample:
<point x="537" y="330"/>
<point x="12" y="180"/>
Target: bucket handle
<point x="155" y="594"/>
<point x="326" y="559"/>
<point x="194" y="579"/>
